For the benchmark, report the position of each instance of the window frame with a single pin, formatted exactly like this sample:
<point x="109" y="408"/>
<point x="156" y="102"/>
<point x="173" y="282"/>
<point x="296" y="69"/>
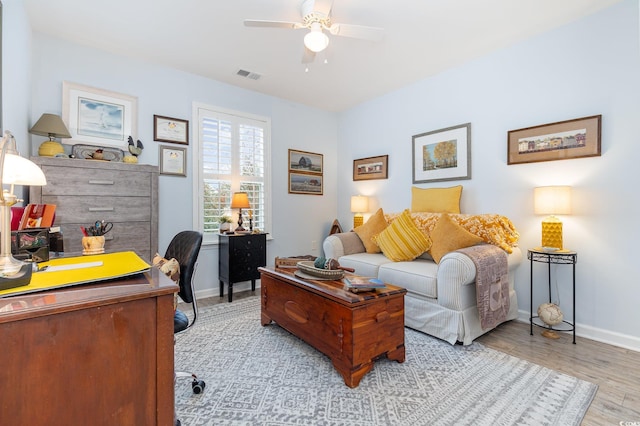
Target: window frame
<point x="197" y="161"/>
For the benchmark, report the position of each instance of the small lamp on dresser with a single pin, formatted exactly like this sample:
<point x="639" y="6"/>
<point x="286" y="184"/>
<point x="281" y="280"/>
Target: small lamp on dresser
<point x="240" y="200"/>
<point x="52" y="126"/>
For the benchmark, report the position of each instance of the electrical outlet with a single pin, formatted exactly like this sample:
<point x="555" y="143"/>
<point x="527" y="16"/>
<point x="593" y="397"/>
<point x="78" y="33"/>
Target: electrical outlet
<point x="314" y="245"/>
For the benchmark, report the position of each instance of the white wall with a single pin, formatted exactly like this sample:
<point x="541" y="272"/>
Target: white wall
<point x="16" y="73"/>
<point x="586" y="68"/>
<point x="297" y="219"/>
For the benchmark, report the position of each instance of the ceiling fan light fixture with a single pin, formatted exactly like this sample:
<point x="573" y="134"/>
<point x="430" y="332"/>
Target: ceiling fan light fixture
<point x="316" y="40"/>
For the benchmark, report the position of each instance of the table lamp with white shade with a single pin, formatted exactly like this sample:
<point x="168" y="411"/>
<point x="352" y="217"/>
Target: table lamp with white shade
<point x="14" y="170"/>
<point x="552" y="201"/>
<point x="359" y="205"/>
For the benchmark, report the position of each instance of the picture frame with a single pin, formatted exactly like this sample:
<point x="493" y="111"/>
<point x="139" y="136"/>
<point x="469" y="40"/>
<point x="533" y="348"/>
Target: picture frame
<point x="173" y="161"/>
<point x="169" y="129"/>
<point x="303" y="161"/>
<point x="305" y="183"/>
<point x="98" y="117"/>
<point x="371" y="168"/>
<point x="562" y="140"/>
<point x="442" y="155"/>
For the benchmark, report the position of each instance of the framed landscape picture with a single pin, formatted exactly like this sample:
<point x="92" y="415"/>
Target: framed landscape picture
<point x="563" y="140"/>
<point x="302" y="161"/>
<point x="371" y="168"/>
<point x="98" y="117"/>
<point x="442" y="155"/>
<point x="305" y="183"/>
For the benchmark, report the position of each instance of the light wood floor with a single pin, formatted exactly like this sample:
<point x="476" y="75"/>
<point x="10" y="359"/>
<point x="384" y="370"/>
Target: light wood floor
<point x="615" y="370"/>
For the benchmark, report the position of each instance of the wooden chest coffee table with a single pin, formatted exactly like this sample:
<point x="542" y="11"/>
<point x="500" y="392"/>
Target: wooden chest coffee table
<point x="353" y="330"/>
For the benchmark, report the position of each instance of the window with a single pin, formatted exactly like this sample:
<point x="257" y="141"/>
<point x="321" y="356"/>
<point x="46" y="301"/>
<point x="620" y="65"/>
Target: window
<point x="231" y="154"/>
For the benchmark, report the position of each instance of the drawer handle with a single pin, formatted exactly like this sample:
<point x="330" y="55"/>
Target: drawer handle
<point x="101" y="209"/>
<point x="101" y="182"/>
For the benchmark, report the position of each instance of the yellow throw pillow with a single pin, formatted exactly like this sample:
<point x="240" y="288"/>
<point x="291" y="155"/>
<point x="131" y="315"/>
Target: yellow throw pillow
<point x="436" y="200"/>
<point x="402" y="240"/>
<point x="375" y="225"/>
<point x="449" y="236"/>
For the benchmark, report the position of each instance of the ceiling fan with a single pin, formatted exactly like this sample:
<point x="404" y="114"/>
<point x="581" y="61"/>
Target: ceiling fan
<point x="316" y="17"/>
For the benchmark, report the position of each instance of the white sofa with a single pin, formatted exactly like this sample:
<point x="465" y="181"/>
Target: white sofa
<point x="440" y="299"/>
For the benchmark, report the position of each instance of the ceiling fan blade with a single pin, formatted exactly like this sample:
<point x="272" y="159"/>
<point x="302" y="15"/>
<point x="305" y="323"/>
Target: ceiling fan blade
<point x="321" y="6"/>
<point x="308" y="56"/>
<point x="272" y="24"/>
<point x="357" y="31"/>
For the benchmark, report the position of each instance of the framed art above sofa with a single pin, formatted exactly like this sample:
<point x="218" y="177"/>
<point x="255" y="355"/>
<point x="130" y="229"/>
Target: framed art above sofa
<point x="442" y="155"/>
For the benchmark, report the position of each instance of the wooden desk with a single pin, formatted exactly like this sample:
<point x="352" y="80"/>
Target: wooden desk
<point x="93" y="354"/>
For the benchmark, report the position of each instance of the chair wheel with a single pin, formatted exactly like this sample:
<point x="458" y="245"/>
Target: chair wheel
<point x="197" y="386"/>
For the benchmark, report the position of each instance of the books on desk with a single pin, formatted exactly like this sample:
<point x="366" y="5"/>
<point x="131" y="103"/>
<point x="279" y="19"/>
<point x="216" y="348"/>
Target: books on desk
<point x="356" y="284"/>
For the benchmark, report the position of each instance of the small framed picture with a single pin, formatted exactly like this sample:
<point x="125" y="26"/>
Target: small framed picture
<point x="302" y="161"/>
<point x="371" y="168"/>
<point x="167" y="129"/>
<point x="555" y="141"/>
<point x="305" y="183"/>
<point x="173" y="161"/>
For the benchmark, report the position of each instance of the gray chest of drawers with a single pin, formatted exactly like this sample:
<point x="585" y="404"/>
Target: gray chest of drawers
<point x="85" y="191"/>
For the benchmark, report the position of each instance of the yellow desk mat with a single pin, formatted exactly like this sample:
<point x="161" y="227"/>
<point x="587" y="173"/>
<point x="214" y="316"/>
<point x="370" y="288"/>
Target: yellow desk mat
<point x="68" y="271"/>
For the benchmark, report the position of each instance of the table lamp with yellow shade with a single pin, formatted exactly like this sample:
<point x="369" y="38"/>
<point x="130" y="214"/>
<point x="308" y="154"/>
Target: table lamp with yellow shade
<point x="52" y="126"/>
<point x="359" y="205"/>
<point x="240" y="200"/>
<point x="552" y="201"/>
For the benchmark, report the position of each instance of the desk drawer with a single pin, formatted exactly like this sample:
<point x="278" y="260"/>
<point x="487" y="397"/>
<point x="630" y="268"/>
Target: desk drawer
<point x="95" y="182"/>
<point x="86" y="210"/>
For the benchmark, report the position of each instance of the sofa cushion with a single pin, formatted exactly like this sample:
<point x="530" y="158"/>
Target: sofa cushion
<point x="436" y="200"/>
<point x="365" y="264"/>
<point x="449" y="236"/>
<point x="402" y="240"/>
<point x="418" y="276"/>
<point x="375" y="225"/>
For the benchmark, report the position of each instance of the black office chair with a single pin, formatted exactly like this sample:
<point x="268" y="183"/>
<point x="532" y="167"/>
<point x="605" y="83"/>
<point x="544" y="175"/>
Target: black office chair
<point x="185" y="247"/>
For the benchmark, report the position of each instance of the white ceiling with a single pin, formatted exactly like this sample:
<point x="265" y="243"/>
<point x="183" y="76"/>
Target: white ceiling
<point x="208" y="38"/>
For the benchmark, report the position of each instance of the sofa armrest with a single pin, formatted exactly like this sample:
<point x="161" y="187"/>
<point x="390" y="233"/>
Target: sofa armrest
<point x="457" y="277"/>
<point x="342" y="244"/>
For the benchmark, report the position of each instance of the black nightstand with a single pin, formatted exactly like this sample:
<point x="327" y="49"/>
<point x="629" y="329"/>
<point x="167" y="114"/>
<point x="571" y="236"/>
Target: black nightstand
<point x="560" y="257"/>
<point x="239" y="258"/>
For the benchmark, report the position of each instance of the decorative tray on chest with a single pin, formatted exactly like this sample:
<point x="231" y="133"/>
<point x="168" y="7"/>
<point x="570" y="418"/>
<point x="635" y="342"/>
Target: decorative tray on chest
<point x="308" y="268"/>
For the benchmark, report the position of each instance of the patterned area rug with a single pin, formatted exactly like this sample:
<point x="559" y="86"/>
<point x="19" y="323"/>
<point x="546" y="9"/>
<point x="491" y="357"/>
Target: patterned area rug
<point x="259" y="375"/>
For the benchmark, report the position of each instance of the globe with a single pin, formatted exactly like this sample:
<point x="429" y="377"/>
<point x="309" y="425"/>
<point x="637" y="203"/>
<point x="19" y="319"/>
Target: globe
<point x="550" y="314"/>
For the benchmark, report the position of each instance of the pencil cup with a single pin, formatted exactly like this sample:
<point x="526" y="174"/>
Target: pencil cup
<point x="93" y="245"/>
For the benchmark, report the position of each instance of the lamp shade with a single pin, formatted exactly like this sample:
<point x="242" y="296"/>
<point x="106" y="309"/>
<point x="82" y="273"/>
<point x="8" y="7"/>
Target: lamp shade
<point x="18" y="170"/>
<point x="50" y="125"/>
<point x="552" y="200"/>
<point x="359" y="204"/>
<point x="240" y="200"/>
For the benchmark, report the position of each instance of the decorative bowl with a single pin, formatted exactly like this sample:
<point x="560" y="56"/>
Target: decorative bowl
<point x="308" y="267"/>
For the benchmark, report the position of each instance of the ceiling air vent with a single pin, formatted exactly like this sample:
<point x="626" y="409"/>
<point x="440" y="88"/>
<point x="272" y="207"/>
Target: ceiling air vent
<point x="249" y="74"/>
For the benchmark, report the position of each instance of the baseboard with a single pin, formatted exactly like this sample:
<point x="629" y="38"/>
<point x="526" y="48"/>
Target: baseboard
<point x="237" y="287"/>
<point x="597" y="334"/>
